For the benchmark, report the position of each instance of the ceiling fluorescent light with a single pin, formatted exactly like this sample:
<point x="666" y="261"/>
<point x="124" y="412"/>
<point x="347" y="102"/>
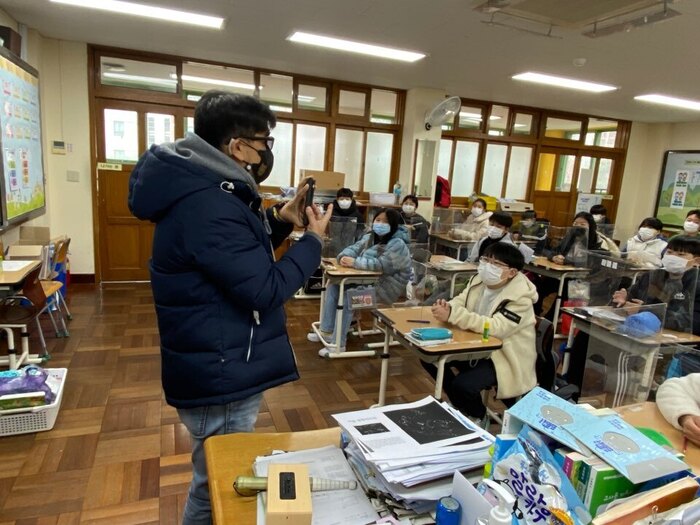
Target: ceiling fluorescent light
<point x="670" y="101"/>
<point x="570" y="83"/>
<point x="355" y="47"/>
<point x="159" y="13"/>
<point x="138" y="78"/>
<point x="217" y="82"/>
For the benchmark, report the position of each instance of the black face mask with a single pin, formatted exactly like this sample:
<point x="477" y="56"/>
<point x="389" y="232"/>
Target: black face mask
<point x="261" y="170"/>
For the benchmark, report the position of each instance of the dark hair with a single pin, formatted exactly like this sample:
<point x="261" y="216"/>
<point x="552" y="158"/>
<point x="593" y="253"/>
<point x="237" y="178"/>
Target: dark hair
<point x="344" y="192"/>
<point x="684" y="244"/>
<point x="507" y="254"/>
<point x="598" y="209"/>
<point x="482" y="201"/>
<point x="394" y="219"/>
<point x="502" y="219"/>
<point x="220" y="116"/>
<point x="592" y="228"/>
<point x="692" y="212"/>
<point x="411" y="198"/>
<point x="529" y="214"/>
<point x="652" y="222"/>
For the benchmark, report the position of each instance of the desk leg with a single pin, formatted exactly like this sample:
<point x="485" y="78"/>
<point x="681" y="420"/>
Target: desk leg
<point x="557" y="303"/>
<point x="384" y="356"/>
<point x="569" y="345"/>
<point x="324" y="285"/>
<point x="339" y="314"/>
<point x="453" y="285"/>
<point x="440" y="376"/>
<point x="11" y="350"/>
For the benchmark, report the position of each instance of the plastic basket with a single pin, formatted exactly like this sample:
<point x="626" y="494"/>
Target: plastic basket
<point x="34" y="419"/>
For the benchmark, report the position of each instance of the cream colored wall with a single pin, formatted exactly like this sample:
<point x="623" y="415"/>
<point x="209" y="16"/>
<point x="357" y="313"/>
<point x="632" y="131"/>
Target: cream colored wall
<point x="640" y="181"/>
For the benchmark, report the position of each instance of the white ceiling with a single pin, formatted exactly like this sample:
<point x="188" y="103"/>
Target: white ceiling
<point x="465" y="56"/>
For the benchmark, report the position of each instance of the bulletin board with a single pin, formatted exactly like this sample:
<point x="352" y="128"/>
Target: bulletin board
<point x="679" y="187"/>
<point x="22" y="188"/>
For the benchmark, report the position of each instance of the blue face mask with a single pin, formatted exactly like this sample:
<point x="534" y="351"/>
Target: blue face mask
<point x="381" y="228"/>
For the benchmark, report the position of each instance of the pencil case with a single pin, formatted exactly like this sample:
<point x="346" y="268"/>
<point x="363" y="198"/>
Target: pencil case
<point x="431" y="333"/>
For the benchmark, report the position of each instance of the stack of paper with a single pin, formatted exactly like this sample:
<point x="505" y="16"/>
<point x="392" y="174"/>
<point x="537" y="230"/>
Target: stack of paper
<point x="398" y="449"/>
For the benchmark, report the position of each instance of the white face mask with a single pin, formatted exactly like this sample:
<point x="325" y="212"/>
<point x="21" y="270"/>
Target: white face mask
<point x="495" y="232"/>
<point x="344" y="204"/>
<point x="527" y="223"/>
<point x="408" y="209"/>
<point x="674" y="263"/>
<point x="476" y="211"/>
<point x="490" y="274"/>
<point x="647" y="233"/>
<point x="598" y="218"/>
<point x="690" y="227"/>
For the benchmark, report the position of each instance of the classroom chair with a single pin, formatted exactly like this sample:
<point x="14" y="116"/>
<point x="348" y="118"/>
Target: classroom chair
<point x="52" y="287"/>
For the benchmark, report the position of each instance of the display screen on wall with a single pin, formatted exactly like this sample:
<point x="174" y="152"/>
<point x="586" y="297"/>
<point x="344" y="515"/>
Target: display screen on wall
<point x="23" y="192"/>
<point x="679" y="189"/>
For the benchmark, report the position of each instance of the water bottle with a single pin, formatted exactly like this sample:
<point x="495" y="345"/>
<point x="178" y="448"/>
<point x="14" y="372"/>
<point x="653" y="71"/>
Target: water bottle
<point x="397" y="192"/>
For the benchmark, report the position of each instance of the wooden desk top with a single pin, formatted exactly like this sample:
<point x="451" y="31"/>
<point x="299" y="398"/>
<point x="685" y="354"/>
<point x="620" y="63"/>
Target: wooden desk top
<point x="334" y="269"/>
<point x="444" y="262"/>
<point x="546" y="263"/>
<point x="648" y="415"/>
<point x="15" y="277"/>
<point x="668" y="337"/>
<point x="462" y="340"/>
<point x="233" y="455"/>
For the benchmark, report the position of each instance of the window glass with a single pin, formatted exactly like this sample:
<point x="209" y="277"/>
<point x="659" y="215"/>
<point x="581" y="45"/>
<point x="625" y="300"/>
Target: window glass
<point x="189" y="124"/>
<point x="464" y="171"/>
<point x="545" y="172"/>
<point x="470" y="117"/>
<point x="310" y="150"/>
<point x="498" y="121"/>
<point x="522" y="124"/>
<point x="601" y="133"/>
<point x="518" y="172"/>
<point x="378" y="161"/>
<point x="565" y="172"/>
<point x="586" y="171"/>
<point x="159" y="128"/>
<point x="444" y="158"/>
<point x="311" y="97"/>
<point x="558" y="128"/>
<point x="198" y="78"/>
<point x="122" y="146"/>
<point x="122" y="72"/>
<point x="494" y="169"/>
<point x="277" y="90"/>
<point x="348" y="156"/>
<point x="352" y="103"/>
<point x="602" y="182"/>
<point x="383" y="106"/>
<point x="282" y="170"/>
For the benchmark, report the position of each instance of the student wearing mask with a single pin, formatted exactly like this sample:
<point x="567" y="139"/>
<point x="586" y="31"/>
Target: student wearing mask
<point x="528" y="229"/>
<point x="678" y="400"/>
<point x="497" y="231"/>
<point x="675" y="285"/>
<point x="600" y="216"/>
<point x="691" y="224"/>
<point x="648" y="245"/>
<point x="503" y="296"/>
<point x="346" y="207"/>
<point x="416" y="224"/>
<point x="474" y="228"/>
<point x="347" y="223"/>
<point x="385" y="250"/>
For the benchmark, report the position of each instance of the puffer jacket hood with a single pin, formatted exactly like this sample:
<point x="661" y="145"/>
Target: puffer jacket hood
<point x="169" y="172"/>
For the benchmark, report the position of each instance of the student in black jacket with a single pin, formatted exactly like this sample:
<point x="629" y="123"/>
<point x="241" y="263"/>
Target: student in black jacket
<point x="416" y="224"/>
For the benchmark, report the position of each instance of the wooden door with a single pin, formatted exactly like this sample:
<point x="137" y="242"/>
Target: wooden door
<point x="124" y="129"/>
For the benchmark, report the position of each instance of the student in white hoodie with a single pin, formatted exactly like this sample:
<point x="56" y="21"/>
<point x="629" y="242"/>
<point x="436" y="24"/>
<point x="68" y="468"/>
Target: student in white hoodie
<point x="474" y="228"/>
<point x="503" y="296"/>
<point x="678" y="400"/>
<point x="648" y="245"/>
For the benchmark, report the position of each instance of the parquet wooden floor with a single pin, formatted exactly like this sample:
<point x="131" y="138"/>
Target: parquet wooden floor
<point x="118" y="453"/>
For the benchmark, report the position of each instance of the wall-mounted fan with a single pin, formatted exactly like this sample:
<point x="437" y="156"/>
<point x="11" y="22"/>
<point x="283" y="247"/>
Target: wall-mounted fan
<point x="443" y="112"/>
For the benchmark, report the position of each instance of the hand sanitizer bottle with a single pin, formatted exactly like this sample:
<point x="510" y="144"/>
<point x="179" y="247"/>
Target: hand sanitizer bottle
<point x="502" y="513"/>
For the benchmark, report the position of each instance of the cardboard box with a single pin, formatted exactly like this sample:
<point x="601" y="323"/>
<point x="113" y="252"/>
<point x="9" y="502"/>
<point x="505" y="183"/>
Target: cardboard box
<point x="602" y="484"/>
<point x="325" y="180"/>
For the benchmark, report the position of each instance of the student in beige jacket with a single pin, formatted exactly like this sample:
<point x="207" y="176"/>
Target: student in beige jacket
<point x="503" y="296"/>
<point x="678" y="400"/>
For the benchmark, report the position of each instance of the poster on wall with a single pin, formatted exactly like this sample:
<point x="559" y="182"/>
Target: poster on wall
<point x="23" y="191"/>
<point x="679" y="188"/>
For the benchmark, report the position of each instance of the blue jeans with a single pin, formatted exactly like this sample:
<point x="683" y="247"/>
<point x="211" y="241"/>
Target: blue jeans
<point x="330" y="310"/>
<point x="202" y="422"/>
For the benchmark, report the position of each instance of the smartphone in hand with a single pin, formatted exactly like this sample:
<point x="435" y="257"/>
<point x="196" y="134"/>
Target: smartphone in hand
<point x="311" y="183"/>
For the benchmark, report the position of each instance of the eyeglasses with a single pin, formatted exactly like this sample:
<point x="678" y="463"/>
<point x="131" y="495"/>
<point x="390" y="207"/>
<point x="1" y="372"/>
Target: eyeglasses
<point x="269" y="141"/>
<point x="489" y="260"/>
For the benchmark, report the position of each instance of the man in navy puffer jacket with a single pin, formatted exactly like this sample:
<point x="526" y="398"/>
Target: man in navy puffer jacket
<point x="218" y="291"/>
